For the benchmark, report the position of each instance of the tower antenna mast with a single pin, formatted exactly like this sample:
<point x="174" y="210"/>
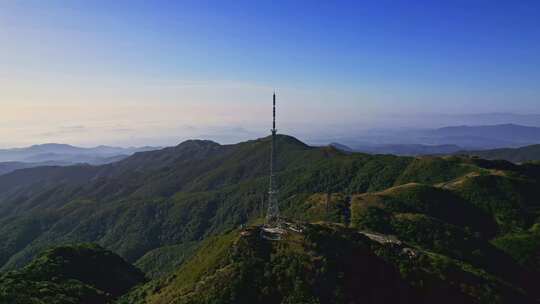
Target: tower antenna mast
<point x="272" y="216"/>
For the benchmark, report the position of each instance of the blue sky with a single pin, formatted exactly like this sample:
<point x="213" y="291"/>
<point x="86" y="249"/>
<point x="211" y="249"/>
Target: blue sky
<point x="134" y="72"/>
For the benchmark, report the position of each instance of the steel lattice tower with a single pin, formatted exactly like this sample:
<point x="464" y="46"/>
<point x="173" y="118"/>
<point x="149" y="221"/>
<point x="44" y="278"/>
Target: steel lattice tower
<point x="272" y="216"/>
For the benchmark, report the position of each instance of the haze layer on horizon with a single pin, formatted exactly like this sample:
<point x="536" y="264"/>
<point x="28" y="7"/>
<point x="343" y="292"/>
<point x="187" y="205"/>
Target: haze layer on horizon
<point x="155" y="73"/>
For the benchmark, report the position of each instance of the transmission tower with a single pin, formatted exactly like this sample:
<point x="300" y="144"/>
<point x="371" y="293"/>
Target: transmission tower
<point x="272" y="215"/>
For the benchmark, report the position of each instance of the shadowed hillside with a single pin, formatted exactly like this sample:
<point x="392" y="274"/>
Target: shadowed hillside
<point x="73" y="274"/>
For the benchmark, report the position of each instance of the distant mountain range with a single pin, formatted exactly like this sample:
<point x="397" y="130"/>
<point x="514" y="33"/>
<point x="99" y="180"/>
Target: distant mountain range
<point x="506" y="134"/>
<point x="56" y="152"/>
<point x="445" y="140"/>
<point x="62" y="155"/>
<point x="403" y="149"/>
<point x="7" y="167"/>
<point x="472" y="140"/>
<point x="516" y="155"/>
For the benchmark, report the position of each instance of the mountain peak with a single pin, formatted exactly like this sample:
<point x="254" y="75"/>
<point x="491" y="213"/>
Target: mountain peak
<point x="201" y="143"/>
<point x="285" y="139"/>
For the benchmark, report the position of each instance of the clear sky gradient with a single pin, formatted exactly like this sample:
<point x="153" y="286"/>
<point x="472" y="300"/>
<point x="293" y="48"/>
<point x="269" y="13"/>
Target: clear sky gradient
<point x="158" y="72"/>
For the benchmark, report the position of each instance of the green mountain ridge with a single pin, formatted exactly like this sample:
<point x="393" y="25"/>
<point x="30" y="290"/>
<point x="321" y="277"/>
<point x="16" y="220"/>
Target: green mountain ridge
<point x="474" y="222"/>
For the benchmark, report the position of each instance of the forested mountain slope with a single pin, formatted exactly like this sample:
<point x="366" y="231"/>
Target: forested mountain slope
<point x="169" y="197"/>
<point x="473" y="222"/>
